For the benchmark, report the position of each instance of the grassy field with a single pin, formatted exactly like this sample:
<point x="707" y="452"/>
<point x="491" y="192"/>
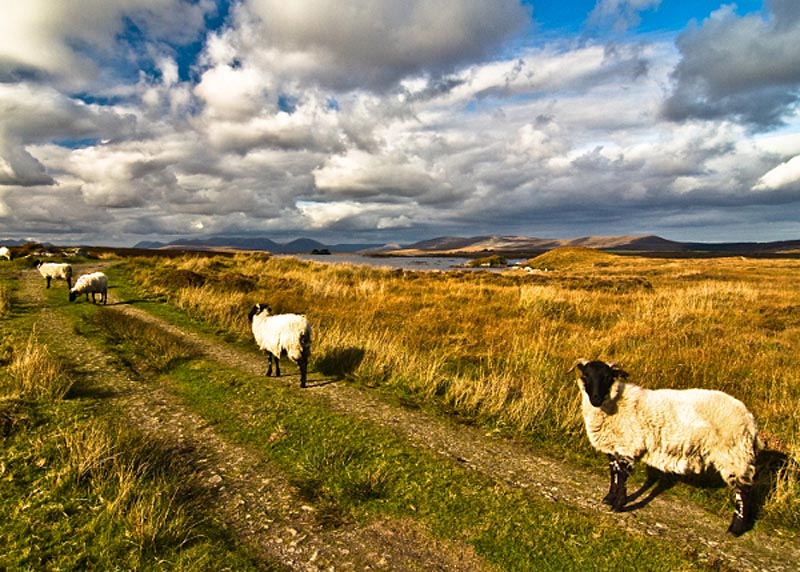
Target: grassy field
<point x="495" y="349"/>
<point x="486" y="349"/>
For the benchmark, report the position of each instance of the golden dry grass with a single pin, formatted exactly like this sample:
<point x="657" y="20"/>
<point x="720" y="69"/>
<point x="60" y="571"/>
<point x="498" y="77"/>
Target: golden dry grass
<point x="5" y="300"/>
<point x="35" y="373"/>
<point x="499" y="347"/>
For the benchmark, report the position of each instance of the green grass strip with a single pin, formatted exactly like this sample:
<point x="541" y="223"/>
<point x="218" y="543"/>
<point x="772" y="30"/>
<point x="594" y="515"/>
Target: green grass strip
<point x="354" y="470"/>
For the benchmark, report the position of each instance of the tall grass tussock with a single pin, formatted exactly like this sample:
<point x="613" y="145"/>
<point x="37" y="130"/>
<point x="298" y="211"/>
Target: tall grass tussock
<point x="495" y="348"/>
<point x="34" y="373"/>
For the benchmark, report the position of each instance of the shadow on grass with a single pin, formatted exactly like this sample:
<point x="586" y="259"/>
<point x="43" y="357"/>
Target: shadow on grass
<point x="770" y="465"/>
<point x="340" y="362"/>
<point x="151" y="300"/>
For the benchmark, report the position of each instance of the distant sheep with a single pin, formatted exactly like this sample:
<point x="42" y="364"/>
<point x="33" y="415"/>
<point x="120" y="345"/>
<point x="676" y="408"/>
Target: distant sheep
<point x="96" y="283"/>
<point x="675" y="431"/>
<point x="282" y="334"/>
<point x="59" y="271"/>
<point x="5" y="252"/>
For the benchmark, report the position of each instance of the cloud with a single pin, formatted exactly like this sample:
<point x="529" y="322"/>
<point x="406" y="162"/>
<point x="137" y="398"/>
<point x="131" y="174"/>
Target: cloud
<point x="18" y="167"/>
<point x="34" y="114"/>
<point x="365" y="44"/>
<point x="739" y="68"/>
<point x="361" y="175"/>
<point x="783" y="176"/>
<point x="620" y="15"/>
<point x="72" y="42"/>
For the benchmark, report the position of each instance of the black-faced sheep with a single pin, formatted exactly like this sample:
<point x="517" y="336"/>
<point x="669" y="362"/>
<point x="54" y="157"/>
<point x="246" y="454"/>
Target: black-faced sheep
<point x="59" y="271"/>
<point x="95" y="283"/>
<point x="282" y="335"/>
<point x="675" y="431"/>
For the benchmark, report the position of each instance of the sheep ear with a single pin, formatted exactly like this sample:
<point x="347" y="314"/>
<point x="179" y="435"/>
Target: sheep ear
<point x="618" y="371"/>
<point x="579" y="363"/>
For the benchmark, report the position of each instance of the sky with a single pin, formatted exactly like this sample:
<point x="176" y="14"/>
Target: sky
<point x="377" y="121"/>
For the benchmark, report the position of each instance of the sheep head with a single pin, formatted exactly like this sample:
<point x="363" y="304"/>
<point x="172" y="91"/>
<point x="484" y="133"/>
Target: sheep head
<point x="257" y="309"/>
<point x="597" y="378"/>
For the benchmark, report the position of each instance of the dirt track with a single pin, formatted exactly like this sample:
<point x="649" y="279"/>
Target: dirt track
<point x="265" y="509"/>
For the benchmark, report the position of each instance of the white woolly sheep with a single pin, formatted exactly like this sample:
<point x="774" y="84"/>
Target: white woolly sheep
<point x="675" y="431"/>
<point x="282" y="335"/>
<point x="59" y="271"/>
<point x="5" y="252"/>
<point x="95" y="283"/>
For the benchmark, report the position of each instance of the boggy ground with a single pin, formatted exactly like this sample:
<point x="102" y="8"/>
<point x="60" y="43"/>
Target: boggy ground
<point x="266" y="511"/>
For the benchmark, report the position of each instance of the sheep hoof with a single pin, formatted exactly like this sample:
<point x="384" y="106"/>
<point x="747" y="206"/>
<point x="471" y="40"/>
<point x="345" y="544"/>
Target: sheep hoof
<point x="618" y="504"/>
<point x="737" y="527"/>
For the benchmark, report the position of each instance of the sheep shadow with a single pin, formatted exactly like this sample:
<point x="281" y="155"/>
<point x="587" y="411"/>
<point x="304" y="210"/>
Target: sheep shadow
<point x="339" y="362"/>
<point x="770" y="464"/>
<point x="134" y="301"/>
<point x="656" y="482"/>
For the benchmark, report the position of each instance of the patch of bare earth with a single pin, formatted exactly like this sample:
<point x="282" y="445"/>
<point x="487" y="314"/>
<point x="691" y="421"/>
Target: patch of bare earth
<point x="266" y="510"/>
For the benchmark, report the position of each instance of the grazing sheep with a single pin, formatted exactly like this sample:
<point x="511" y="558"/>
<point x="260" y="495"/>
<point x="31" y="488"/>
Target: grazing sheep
<point x="282" y="334"/>
<point x="675" y="431"/>
<point x="96" y="283"/>
<point x="59" y="271"/>
<point x="5" y="252"/>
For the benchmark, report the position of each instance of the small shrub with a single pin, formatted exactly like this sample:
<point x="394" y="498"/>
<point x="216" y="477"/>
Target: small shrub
<point x="5" y="300"/>
<point x="494" y="261"/>
<point x="36" y="374"/>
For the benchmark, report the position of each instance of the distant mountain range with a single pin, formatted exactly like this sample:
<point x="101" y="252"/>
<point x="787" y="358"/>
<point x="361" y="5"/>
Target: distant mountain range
<point x="515" y="246"/>
<point x="297" y="246"/>
<point x="526" y="246"/>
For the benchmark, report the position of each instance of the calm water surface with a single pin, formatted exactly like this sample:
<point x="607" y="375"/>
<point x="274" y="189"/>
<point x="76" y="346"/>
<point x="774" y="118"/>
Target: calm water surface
<point x="404" y="262"/>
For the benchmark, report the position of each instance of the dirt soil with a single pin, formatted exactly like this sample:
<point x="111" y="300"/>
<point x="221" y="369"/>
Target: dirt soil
<point x="267" y="513"/>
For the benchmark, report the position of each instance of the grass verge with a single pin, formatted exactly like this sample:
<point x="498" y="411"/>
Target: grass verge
<point x="81" y="489"/>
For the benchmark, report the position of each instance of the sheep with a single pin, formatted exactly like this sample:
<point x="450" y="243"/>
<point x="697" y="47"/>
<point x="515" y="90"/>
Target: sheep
<point x="675" y="431"/>
<point x="95" y="283"/>
<point x="59" y="271"/>
<point x="279" y="335"/>
<point x="5" y="252"/>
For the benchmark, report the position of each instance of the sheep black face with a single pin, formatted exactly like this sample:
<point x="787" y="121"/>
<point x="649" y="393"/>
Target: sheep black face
<point x="257" y="309"/>
<point x="597" y="378"/>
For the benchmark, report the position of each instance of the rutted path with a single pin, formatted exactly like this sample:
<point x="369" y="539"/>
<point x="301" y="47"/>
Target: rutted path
<point x="254" y="497"/>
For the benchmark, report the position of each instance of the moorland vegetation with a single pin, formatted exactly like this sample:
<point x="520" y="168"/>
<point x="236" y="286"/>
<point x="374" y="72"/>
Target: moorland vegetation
<point x="495" y="348"/>
<point x="488" y="349"/>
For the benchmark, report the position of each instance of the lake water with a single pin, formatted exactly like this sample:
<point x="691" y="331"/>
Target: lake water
<point x="403" y="262"/>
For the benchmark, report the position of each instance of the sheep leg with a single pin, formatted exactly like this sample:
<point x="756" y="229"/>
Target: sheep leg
<point x="48" y="278"/>
<point x="742" y="515"/>
<point x="613" y="485"/>
<point x="617" y="496"/>
<point x="269" y="364"/>
<point x="303" y="364"/>
<point x="277" y="366"/>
